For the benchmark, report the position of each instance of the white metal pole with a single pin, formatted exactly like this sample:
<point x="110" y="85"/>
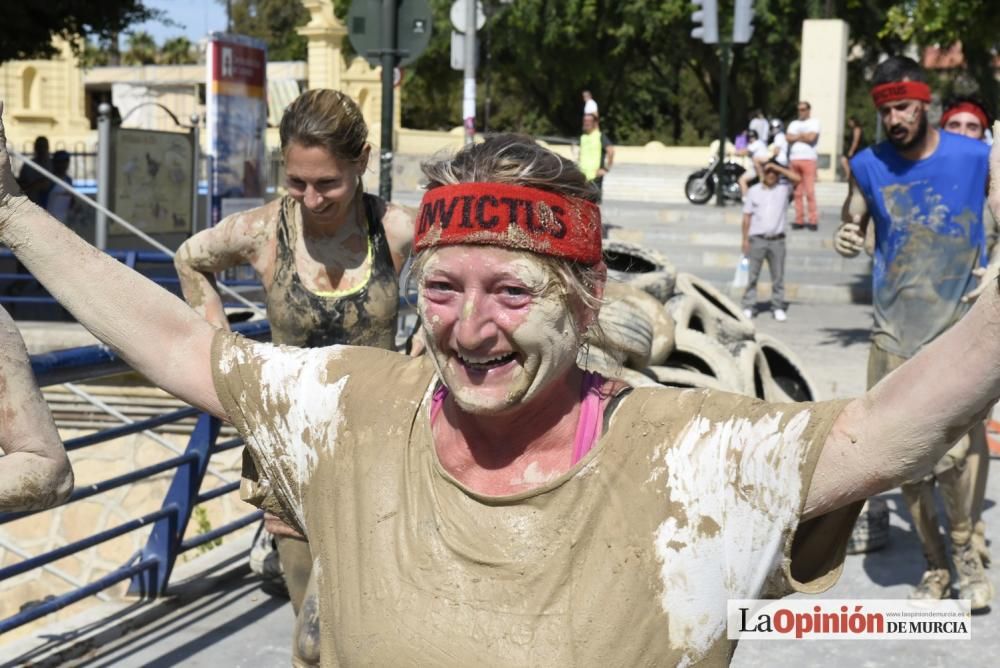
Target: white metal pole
<point x="469" y="87"/>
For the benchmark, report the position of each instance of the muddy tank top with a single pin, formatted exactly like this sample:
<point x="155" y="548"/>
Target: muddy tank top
<point x="364" y="315"/>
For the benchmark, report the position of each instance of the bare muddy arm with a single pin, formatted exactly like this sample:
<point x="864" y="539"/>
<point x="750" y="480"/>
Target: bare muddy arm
<point x="34" y="470"/>
<point x="901" y="427"/>
<point x="153" y="331"/>
<point x="230" y="243"/>
<point x="398" y="225"/>
<point x="850" y="236"/>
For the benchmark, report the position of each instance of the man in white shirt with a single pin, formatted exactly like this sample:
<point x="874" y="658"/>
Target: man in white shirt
<point x="764" y="209"/>
<point x="589" y="104"/>
<point x="803" y="135"/>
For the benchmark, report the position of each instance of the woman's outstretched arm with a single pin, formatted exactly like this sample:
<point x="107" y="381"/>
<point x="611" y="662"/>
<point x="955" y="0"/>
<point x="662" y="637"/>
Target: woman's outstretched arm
<point x="34" y="470"/>
<point x="154" y="332"/>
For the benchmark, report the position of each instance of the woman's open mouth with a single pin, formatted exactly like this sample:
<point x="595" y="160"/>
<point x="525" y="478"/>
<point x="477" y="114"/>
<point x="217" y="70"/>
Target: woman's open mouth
<point x="483" y="364"/>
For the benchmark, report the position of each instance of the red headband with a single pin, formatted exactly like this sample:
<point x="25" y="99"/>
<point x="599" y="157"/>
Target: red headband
<point x="967" y="107"/>
<point x="514" y="217"/>
<point x="895" y="91"/>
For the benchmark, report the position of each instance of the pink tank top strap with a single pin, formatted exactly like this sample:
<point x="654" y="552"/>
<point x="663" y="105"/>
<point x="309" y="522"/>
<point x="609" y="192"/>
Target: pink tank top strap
<point x="437" y="401"/>
<point x="589" y="424"/>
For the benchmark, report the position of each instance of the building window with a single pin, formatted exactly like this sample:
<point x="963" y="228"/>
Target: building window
<point x="29" y="88"/>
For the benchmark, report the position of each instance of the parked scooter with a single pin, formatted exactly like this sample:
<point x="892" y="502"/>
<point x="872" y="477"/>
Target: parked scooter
<point x="700" y="186"/>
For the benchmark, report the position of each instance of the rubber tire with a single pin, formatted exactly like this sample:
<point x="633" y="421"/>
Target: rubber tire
<point x="625" y="332"/>
<point x="871" y="531"/>
<point x="662" y="341"/>
<point x="699" y="353"/>
<point x="594" y="358"/>
<point x="753" y="370"/>
<point x="691" y="191"/>
<point x="791" y="382"/>
<point x="646" y="269"/>
<point x="683" y="378"/>
<point x="722" y="318"/>
<point x="682" y="308"/>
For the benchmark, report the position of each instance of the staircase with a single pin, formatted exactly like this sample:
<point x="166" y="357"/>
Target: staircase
<point x="646" y="205"/>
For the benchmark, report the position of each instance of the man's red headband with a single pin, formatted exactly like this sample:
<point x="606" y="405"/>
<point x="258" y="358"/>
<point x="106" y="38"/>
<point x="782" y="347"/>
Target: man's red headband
<point x="895" y="91"/>
<point x="967" y="107"/>
<point x="514" y="217"/>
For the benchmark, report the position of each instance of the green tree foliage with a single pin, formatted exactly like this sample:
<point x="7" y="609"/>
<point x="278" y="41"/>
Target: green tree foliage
<point x="27" y="28"/>
<point x="140" y="50"/>
<point x="274" y="22"/>
<point x="654" y="81"/>
<point x="177" y="51"/>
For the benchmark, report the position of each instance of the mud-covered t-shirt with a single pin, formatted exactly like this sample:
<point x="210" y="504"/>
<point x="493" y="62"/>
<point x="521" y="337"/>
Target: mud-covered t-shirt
<point x="928" y="237"/>
<point x="690" y="498"/>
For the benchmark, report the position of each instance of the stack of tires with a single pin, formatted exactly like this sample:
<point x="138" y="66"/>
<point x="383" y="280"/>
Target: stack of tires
<point x="658" y="326"/>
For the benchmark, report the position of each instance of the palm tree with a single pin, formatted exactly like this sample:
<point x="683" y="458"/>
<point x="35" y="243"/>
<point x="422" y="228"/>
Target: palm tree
<point x="141" y="49"/>
<point x="177" y="51"/>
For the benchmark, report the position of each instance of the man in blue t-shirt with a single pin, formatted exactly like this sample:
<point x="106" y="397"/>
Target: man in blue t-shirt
<point x="924" y="191"/>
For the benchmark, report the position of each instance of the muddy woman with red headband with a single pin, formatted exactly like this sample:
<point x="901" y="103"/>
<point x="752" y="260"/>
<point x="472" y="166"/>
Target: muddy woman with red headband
<point x="490" y="503"/>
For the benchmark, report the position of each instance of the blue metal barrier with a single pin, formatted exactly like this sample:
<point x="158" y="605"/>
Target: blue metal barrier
<point x="134" y="259"/>
<point x="150" y="568"/>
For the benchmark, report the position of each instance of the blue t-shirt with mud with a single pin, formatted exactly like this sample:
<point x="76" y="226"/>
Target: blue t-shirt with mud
<point x="928" y="236"/>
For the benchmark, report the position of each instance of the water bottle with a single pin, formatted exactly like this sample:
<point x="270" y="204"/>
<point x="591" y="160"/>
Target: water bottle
<point x="742" y="275"/>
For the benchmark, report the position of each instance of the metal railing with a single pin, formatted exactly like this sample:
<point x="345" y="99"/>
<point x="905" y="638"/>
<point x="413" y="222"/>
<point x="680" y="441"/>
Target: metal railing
<point x="149" y="568"/>
<point x="157" y="266"/>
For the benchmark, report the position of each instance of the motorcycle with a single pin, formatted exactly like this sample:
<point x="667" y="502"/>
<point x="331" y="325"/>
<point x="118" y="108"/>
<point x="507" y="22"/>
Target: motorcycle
<point x="700" y="186"/>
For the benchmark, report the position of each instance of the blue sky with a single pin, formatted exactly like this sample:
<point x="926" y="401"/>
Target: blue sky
<point x="199" y="17"/>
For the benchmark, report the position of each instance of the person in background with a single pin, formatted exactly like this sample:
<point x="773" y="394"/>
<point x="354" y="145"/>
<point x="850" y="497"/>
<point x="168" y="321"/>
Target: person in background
<point x="923" y="190"/>
<point x="35" y="184"/>
<point x="759" y="155"/>
<point x="589" y="104"/>
<point x="854" y="141"/>
<point x="777" y="142"/>
<point x="597" y="153"/>
<point x="758" y="123"/>
<point x="803" y="135"/>
<point x="764" y="212"/>
<point x="968" y="116"/>
<point x="329" y="256"/>
<point x="60" y="201"/>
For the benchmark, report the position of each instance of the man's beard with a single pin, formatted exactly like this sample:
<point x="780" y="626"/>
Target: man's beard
<point x="918" y="137"/>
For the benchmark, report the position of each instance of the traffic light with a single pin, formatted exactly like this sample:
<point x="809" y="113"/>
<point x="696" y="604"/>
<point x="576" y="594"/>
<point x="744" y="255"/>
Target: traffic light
<point x="706" y="21"/>
<point x="743" y="22"/>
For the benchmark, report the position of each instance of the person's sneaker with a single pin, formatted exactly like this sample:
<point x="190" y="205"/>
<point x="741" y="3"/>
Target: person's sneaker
<point x="780" y="315"/>
<point x="264" y="562"/>
<point x="748" y="312"/>
<point x="972" y="581"/>
<point x="934" y="585"/>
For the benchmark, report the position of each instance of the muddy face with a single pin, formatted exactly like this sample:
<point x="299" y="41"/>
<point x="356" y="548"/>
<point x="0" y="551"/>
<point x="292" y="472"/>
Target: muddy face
<point x="324" y="185"/>
<point x="498" y="329"/>
<point x="905" y="122"/>
<point x="965" y="123"/>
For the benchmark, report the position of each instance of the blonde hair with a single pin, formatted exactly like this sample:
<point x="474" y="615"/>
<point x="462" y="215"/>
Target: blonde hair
<point x="326" y="118"/>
